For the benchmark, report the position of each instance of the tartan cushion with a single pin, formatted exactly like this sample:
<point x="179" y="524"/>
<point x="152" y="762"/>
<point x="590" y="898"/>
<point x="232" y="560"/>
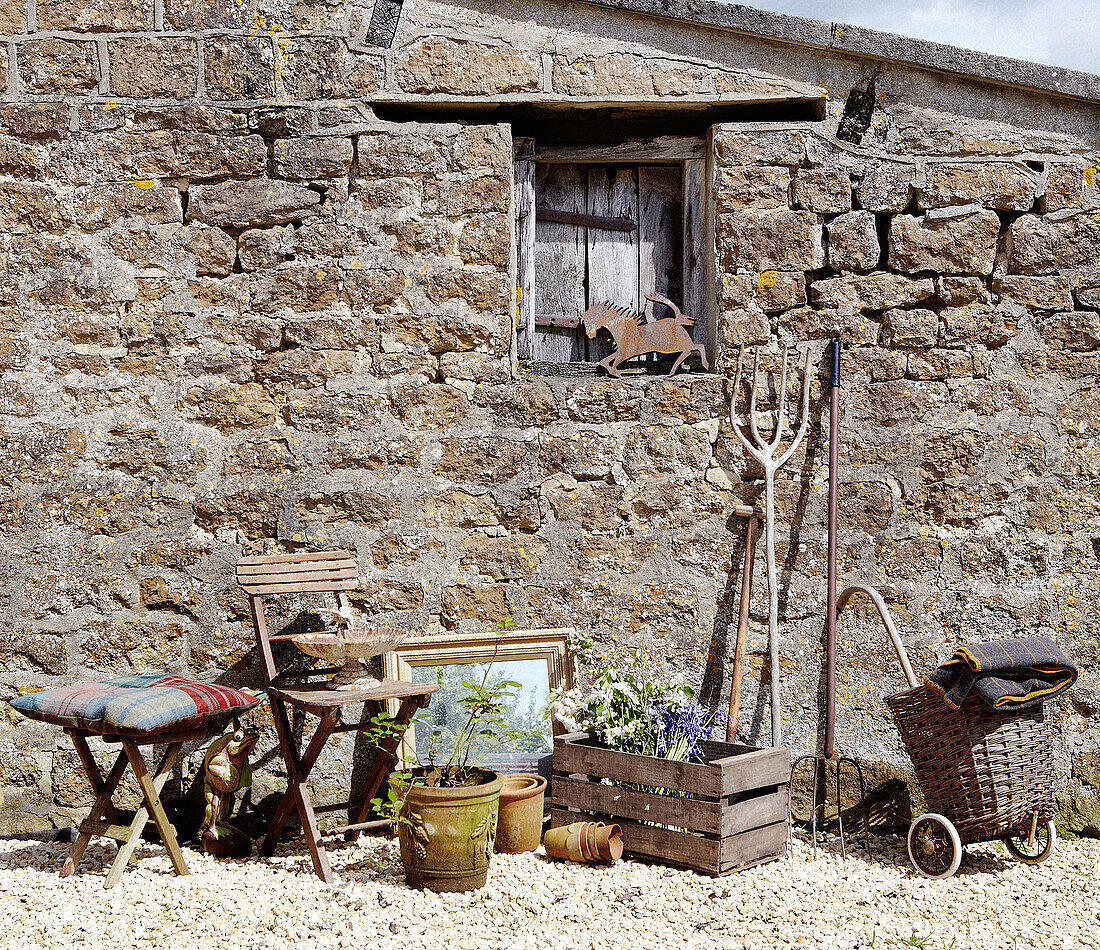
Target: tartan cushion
<point x="138" y="705"/>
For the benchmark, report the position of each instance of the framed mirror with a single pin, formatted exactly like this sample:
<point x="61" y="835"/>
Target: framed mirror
<point x="538" y="660"/>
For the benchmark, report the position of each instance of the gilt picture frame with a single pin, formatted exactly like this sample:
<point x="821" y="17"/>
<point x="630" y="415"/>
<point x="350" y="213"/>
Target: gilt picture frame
<point x="538" y="659"/>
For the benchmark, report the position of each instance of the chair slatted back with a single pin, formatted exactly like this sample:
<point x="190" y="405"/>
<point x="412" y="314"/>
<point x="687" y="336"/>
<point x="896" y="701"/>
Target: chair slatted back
<point x="306" y="573"/>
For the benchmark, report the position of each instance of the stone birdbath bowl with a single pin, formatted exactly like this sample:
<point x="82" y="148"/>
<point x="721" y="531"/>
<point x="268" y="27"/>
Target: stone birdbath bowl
<point x="348" y="646"/>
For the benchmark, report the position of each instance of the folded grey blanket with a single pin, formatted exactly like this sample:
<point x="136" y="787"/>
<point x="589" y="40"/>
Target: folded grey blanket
<point x="1018" y="673"/>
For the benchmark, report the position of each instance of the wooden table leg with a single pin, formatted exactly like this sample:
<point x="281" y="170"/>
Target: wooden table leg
<point x="384" y="760"/>
<point x="150" y="792"/>
<point x="99" y="809"/>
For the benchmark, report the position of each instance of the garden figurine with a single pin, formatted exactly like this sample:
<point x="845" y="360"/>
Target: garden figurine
<point x="227" y="770"/>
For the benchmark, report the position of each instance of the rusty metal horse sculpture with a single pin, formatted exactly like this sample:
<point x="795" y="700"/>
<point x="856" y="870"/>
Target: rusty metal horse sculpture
<point x="633" y="336"/>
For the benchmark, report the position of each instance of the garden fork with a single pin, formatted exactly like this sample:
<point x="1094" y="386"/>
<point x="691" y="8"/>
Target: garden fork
<point x="768" y="454"/>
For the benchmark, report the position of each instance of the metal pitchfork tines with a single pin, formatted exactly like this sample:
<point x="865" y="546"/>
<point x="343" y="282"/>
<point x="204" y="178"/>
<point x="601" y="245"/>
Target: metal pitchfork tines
<point x="768" y="454"/>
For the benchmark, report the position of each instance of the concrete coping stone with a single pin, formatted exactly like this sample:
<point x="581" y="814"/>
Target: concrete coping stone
<point x="872" y="44"/>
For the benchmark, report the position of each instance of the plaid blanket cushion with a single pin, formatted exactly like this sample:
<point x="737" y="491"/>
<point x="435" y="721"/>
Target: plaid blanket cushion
<point x="138" y="705"/>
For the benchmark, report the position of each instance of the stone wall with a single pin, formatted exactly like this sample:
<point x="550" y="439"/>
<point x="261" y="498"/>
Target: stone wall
<point x="241" y="314"/>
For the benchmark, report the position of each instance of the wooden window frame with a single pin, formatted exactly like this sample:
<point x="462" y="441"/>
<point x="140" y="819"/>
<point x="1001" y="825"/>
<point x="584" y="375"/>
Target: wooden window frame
<point x="698" y="244"/>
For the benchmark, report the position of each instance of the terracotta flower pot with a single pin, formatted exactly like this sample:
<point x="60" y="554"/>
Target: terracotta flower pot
<point x="556" y="843"/>
<point x="447" y="839"/>
<point x="609" y="842"/>
<point x="522" y="802"/>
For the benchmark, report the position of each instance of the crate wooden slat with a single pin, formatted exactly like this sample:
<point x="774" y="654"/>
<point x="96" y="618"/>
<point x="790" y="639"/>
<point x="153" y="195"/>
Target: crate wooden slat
<point x="733" y="813"/>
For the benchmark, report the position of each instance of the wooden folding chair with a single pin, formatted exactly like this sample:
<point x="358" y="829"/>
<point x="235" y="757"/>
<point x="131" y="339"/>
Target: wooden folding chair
<point x="335" y="572"/>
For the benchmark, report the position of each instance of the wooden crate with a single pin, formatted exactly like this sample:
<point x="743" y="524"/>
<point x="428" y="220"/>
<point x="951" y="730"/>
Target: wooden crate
<point x="737" y="815"/>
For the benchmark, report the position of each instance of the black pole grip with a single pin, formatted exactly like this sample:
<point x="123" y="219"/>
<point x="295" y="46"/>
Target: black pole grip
<point x="834" y="362"/>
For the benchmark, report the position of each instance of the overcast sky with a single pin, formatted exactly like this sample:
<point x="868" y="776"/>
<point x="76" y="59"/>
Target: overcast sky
<point x="1060" y="32"/>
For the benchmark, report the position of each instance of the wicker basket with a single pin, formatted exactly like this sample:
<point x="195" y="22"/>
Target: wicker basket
<point x="988" y="771"/>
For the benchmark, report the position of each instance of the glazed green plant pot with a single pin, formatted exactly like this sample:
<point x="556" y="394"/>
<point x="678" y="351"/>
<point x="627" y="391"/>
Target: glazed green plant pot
<point x="447" y="833"/>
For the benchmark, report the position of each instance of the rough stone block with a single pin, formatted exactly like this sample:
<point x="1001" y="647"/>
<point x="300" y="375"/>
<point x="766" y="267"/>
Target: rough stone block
<point x="314" y="157"/>
<point x="480" y="459"/>
<point x="1072" y="330"/>
<point x="853" y="242"/>
<point x="79" y="16"/>
<point x="304" y="289"/>
<point x="1058" y="242"/>
<point x="982" y="323"/>
<point x="368" y="508"/>
<point x="239" y="67"/>
<point x="482" y="289"/>
<point x="1007" y="186"/>
<point x="960" y="291"/>
<point x="35" y="119"/>
<point x="741" y="187"/>
<point x="212" y="250"/>
<point x="264" y="247"/>
<point x="742" y="327"/>
<point x="324" y="68"/>
<point x="612" y="75"/>
<point x="935" y="364"/>
<point x="1086" y="288"/>
<point x="1068" y="185"/>
<point x="823" y="190"/>
<point x="956" y="242"/>
<point x="58" y="67"/>
<point x="887" y="186"/>
<point x="13" y="17"/>
<point x="583" y="454"/>
<point x="769" y="290"/>
<point x="1038" y="293"/>
<point x="485" y="606"/>
<point x="153" y="68"/>
<point x="770" y="240"/>
<point x="228" y="407"/>
<point x="733" y="146"/>
<point x="252" y="203"/>
<point x="476" y="195"/>
<point x="877" y="291"/>
<point x="200" y="15"/>
<point x="809" y="323"/>
<point x="486" y="239"/>
<point x="508" y="558"/>
<point x="910" y="327"/>
<point x="391" y="153"/>
<point x="456" y="67"/>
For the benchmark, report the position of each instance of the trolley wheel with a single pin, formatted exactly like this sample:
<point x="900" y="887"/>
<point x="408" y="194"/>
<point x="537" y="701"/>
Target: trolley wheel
<point x="1046" y="835"/>
<point x="934" y="846"/>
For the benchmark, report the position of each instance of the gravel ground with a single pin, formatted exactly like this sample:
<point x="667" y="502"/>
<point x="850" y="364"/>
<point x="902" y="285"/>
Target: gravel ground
<point x="531" y="902"/>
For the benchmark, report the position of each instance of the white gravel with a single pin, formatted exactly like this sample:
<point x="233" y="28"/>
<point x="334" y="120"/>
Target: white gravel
<point x="531" y="902"/>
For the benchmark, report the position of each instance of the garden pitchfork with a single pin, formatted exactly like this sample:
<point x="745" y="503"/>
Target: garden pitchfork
<point x="828" y="756"/>
<point x="767" y="453"/>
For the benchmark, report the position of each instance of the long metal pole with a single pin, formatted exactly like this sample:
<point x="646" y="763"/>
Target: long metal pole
<point x="830" y="610"/>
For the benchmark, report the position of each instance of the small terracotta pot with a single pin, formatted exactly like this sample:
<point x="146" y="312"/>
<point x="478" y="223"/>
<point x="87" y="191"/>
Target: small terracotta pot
<point x="522" y="803"/>
<point x="555" y="841"/>
<point x="575" y="847"/>
<point x="590" y="841"/>
<point x="609" y="842"/>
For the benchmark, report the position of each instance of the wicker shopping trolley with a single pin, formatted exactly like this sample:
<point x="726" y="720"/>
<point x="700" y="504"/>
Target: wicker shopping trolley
<point x="986" y="774"/>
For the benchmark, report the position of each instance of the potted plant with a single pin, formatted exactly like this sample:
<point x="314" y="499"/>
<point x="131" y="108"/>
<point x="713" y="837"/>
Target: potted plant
<point x="446" y="815"/>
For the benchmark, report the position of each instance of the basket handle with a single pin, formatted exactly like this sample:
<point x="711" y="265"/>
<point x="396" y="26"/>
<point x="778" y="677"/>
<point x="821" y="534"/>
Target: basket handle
<point x="887" y="621"/>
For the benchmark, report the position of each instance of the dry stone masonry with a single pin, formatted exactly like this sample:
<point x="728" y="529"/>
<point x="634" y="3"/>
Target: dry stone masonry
<point x="239" y="312"/>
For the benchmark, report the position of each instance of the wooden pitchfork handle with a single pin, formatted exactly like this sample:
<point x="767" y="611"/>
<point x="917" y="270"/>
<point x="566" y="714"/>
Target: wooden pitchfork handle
<point x="753" y="516"/>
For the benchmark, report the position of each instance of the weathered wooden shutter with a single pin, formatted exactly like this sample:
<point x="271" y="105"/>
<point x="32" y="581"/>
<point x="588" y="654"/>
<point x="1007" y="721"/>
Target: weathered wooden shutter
<point x="575" y="264"/>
